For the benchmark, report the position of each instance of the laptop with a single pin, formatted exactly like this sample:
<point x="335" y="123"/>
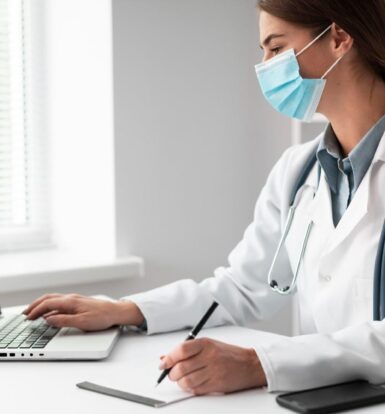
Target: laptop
<point x="22" y="339"/>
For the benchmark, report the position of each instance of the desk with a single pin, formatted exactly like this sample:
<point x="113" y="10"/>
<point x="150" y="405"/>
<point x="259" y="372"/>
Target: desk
<point x="36" y="387"/>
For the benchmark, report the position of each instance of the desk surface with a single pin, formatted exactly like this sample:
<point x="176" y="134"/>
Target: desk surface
<point x="46" y="387"/>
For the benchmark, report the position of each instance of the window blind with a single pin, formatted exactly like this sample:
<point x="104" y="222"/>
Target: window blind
<point x="24" y="218"/>
<point x="13" y="205"/>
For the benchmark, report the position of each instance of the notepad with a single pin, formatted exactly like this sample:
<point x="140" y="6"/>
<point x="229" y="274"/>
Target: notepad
<point x="132" y="374"/>
<point x="166" y="393"/>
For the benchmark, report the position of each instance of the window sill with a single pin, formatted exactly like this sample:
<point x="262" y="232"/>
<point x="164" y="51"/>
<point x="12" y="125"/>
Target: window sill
<point x="47" y="269"/>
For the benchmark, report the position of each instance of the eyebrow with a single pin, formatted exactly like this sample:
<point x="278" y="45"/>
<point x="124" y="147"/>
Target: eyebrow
<point x="270" y="38"/>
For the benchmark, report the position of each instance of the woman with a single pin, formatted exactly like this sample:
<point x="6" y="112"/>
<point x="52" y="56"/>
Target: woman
<point x="322" y="55"/>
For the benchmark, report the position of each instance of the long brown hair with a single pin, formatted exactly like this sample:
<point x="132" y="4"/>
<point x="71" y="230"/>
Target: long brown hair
<point x="364" y="20"/>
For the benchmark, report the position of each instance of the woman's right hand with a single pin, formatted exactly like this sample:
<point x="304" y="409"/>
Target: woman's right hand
<point x="83" y="312"/>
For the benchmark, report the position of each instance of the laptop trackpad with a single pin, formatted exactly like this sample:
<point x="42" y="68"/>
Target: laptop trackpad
<point x="73" y="338"/>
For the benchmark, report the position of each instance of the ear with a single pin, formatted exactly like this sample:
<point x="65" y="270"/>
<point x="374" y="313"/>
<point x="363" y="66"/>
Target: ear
<point x="342" y="42"/>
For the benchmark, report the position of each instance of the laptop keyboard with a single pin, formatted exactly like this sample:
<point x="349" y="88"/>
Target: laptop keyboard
<point x="22" y="333"/>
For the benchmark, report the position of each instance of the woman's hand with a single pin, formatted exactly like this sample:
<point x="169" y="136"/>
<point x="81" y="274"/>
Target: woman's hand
<point x="83" y="312"/>
<point x="203" y="366"/>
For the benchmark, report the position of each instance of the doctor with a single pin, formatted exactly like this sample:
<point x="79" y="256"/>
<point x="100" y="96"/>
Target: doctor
<point x="322" y="55"/>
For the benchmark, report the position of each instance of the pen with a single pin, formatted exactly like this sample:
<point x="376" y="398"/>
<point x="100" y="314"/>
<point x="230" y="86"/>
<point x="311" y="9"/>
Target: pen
<point x="190" y="336"/>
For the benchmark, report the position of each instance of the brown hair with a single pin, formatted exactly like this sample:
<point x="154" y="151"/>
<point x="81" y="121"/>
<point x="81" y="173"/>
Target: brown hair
<point x="364" y="20"/>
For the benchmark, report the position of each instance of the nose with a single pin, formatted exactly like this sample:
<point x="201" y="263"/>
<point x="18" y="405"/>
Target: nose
<point x="266" y="56"/>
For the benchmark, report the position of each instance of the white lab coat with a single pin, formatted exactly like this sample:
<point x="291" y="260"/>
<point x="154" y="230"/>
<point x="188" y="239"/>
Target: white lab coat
<point x="339" y="341"/>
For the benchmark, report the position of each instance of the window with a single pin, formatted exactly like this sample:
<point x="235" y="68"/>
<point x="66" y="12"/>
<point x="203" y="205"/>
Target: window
<point x="65" y="75"/>
<point x="24" y="178"/>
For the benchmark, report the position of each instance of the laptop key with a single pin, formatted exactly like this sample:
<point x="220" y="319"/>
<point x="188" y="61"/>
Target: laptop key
<point x="41" y="342"/>
<point x="22" y="333"/>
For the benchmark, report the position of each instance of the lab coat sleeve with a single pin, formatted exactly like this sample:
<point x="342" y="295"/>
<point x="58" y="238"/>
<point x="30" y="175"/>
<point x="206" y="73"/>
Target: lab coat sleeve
<point x="241" y="288"/>
<point x="316" y="360"/>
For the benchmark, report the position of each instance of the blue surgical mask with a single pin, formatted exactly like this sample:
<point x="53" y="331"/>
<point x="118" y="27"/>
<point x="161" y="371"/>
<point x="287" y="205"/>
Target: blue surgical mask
<point x="284" y="87"/>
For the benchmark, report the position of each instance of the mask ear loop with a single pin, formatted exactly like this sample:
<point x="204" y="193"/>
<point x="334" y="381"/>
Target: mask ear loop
<point x="332" y="67"/>
<point x="314" y="40"/>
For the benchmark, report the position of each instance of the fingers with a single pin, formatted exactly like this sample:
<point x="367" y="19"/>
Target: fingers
<point x="40" y="300"/>
<point x="183" y="351"/>
<point x="189" y="367"/>
<point x="54" y="312"/>
<point x="205" y="387"/>
<point x="62" y="304"/>
<point x="185" y="368"/>
<point x="61" y="321"/>
<point x="73" y="310"/>
<point x="194" y="381"/>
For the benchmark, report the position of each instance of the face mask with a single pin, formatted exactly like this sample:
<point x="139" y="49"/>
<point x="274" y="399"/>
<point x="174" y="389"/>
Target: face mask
<point x="284" y="87"/>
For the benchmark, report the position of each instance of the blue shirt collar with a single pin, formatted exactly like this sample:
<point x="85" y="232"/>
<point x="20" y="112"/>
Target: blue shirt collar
<point x="329" y="155"/>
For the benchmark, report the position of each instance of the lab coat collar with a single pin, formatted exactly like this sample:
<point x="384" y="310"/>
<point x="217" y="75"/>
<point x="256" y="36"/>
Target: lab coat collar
<point x="320" y="208"/>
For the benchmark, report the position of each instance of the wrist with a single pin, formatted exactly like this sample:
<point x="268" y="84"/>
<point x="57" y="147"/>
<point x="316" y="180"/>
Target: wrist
<point x="128" y="313"/>
<point x="258" y="375"/>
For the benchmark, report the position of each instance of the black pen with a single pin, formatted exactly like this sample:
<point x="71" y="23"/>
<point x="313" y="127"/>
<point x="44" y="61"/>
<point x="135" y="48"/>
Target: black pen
<point x="190" y="336"/>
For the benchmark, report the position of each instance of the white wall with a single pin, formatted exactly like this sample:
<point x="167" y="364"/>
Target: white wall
<point x="194" y="136"/>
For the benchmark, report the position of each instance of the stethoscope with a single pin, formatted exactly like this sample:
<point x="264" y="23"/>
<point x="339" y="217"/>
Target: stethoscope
<point x="379" y="271"/>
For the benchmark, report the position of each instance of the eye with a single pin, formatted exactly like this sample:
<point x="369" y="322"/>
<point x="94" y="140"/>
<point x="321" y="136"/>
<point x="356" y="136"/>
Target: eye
<point x="275" y="50"/>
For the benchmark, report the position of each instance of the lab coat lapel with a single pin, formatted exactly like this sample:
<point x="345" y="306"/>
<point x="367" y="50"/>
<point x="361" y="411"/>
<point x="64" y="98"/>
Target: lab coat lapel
<point x="356" y="211"/>
<point x="321" y="207"/>
<point x="320" y="211"/>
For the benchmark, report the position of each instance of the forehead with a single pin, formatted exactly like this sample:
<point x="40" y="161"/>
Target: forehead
<point x="269" y="24"/>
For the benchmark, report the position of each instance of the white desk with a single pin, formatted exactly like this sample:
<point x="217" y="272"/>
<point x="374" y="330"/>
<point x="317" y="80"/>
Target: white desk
<point x="49" y="387"/>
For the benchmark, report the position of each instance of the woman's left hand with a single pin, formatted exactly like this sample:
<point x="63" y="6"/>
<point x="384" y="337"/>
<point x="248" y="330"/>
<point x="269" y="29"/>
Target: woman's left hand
<point x="204" y="365"/>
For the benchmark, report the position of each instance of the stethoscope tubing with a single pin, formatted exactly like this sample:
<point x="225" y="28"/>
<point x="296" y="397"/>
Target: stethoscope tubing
<point x="379" y="271"/>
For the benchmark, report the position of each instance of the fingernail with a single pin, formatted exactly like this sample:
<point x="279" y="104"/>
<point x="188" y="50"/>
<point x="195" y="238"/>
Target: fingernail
<point x="162" y="365"/>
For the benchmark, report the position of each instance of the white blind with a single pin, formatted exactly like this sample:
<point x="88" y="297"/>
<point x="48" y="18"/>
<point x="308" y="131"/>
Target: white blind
<point x="24" y="218"/>
<point x="13" y="191"/>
